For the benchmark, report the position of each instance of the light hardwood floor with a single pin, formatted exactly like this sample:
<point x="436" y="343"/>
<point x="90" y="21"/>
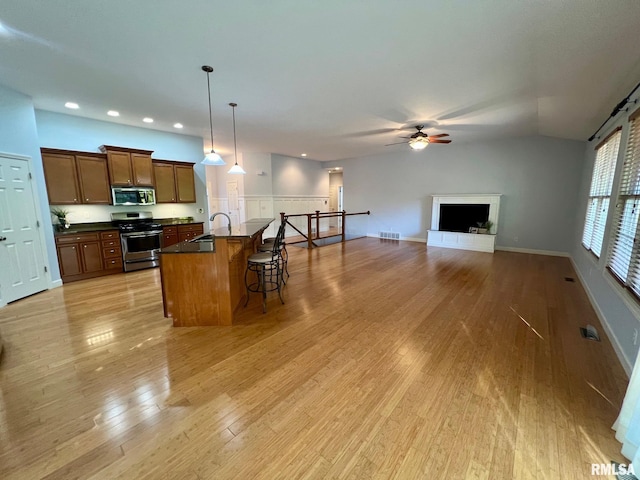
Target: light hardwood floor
<point x="385" y="362"/>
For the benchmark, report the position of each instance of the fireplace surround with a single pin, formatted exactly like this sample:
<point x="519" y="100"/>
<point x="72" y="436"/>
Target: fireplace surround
<point x="458" y="239"/>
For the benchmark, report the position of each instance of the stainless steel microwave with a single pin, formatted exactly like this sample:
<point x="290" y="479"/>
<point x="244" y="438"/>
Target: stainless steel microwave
<point x="133" y="196"/>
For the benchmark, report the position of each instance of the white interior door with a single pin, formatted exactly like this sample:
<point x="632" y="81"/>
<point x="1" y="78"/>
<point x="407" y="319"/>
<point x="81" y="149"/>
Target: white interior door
<point x="333" y="204"/>
<point x="234" y="203"/>
<point x="22" y="270"/>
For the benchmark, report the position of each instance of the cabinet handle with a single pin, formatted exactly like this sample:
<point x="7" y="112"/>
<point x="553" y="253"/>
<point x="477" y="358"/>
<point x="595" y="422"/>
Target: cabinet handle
<point x="73" y="248"/>
<point x="84" y="246"/>
<point x="86" y="199"/>
<point x="2" y="239"/>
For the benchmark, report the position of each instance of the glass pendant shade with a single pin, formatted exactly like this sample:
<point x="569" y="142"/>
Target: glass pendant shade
<point x="212" y="158"/>
<point x="237" y="170"/>
<point x="419" y="143"/>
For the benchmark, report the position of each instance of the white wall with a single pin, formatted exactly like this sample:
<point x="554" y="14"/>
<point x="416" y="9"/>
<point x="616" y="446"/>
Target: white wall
<point x="18" y="134"/>
<point x="539" y="178"/>
<point x="298" y="177"/>
<point x="617" y="309"/>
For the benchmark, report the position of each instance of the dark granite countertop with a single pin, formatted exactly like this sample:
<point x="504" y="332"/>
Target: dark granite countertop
<point x="76" y="228"/>
<point x="100" y="226"/>
<point x="244" y="230"/>
<point x="205" y="243"/>
<point x="203" y="246"/>
<point x="167" y="222"/>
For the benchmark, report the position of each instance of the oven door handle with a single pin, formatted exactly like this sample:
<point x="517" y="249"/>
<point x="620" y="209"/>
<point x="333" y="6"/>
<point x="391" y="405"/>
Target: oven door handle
<point x="142" y="235"/>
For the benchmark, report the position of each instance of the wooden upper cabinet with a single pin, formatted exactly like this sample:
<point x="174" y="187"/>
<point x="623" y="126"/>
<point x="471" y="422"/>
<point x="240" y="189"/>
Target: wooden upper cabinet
<point x="175" y="182"/>
<point x="94" y="179"/>
<point x="165" y="182"/>
<point x="142" y="169"/>
<point x="120" y="168"/>
<point x="61" y="179"/>
<point x="185" y="184"/>
<point x="129" y="167"/>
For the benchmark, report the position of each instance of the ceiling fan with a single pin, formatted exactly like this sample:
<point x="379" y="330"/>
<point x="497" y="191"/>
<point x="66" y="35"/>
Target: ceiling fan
<point x="420" y="140"/>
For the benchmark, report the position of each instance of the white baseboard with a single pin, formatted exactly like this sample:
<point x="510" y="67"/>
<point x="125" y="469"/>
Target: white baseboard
<point x="56" y="283"/>
<point x="550" y="253"/>
<point x="626" y="363"/>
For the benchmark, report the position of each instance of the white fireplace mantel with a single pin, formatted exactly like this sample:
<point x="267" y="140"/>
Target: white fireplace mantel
<point x="464" y="241"/>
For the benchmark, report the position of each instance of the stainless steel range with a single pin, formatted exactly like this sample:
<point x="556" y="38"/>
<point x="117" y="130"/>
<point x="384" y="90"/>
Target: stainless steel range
<point x="140" y="237"/>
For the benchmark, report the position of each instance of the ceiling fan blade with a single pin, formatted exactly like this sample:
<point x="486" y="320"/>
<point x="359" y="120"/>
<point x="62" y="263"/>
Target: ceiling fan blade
<point x="439" y="141"/>
<point x="439" y="135"/>
<point x="398" y="143"/>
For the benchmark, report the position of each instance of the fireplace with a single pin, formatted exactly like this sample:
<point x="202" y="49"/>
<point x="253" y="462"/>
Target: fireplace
<point x="463" y="216"/>
<point x="453" y="215"/>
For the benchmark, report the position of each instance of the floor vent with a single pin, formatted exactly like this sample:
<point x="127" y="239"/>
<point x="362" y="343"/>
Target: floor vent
<point x="569" y="279"/>
<point x="590" y="333"/>
<point x="390" y="235"/>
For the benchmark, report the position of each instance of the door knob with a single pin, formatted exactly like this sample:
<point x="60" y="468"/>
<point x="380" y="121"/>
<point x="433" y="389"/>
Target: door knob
<point x="2" y="239"/>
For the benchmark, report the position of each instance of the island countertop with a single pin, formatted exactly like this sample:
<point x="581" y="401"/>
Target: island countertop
<point x="244" y="230"/>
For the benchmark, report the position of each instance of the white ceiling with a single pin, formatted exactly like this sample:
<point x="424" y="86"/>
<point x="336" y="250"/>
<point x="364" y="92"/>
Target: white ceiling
<point x="335" y="79"/>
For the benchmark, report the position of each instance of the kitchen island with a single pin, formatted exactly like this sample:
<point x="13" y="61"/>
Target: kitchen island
<point x="203" y="278"/>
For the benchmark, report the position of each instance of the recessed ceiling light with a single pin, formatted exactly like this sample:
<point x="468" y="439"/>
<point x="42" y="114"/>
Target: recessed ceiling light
<point x="147" y="120"/>
<point x="72" y="105"/>
<point x="303" y="154"/>
<point x="113" y="113"/>
<point x="177" y="125"/>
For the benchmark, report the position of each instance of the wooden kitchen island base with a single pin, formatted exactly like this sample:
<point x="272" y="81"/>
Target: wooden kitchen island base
<point x="203" y="282"/>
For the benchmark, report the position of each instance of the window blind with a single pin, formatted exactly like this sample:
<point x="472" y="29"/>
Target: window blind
<point x="600" y="192"/>
<point x="624" y="259"/>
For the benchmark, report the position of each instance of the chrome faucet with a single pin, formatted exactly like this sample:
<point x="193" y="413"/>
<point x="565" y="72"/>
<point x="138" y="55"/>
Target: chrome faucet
<point x="221" y="213"/>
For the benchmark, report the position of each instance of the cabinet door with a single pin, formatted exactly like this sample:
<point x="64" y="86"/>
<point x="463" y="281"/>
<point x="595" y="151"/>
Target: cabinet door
<point x="91" y="256"/>
<point x="69" y="258"/>
<point x="142" y="170"/>
<point x="119" y="168"/>
<point x="94" y="179"/>
<point x="61" y="179"/>
<point x="185" y="185"/>
<point x="165" y="183"/>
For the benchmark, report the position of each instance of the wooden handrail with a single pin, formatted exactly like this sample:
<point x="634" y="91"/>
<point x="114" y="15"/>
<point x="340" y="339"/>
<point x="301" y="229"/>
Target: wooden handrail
<point x="318" y="215"/>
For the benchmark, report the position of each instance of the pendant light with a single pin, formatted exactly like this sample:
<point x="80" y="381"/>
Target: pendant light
<point x="236" y="169"/>
<point x="211" y="158"/>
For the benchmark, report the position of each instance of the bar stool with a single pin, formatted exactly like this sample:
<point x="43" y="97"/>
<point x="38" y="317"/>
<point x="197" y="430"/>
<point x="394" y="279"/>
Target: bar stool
<point x="267" y="246"/>
<point x="267" y="266"/>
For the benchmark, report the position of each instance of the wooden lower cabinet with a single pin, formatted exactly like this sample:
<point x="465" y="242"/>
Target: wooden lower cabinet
<point x="169" y="236"/>
<point x="88" y="255"/>
<point x="187" y="232"/>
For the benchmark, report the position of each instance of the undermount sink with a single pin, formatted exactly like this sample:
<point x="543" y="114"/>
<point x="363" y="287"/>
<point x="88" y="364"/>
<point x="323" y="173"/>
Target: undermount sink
<point x="204" y="238"/>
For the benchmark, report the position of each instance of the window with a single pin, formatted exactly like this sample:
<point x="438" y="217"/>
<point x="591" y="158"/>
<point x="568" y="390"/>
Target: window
<point x="624" y="260"/>
<point x="603" y="170"/>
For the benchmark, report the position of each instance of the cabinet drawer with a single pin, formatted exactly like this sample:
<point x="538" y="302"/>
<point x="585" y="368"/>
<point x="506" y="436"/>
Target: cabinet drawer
<point x="170" y="230"/>
<point x="112" y="252"/>
<point x="113" y="263"/>
<point x="197" y="227"/>
<point x="110" y="243"/>
<point x="111" y="234"/>
<point x="80" y="237"/>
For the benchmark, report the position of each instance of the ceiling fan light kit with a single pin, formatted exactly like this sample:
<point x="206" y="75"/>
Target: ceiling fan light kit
<point x="211" y="158"/>
<point x="420" y="140"/>
<point x="419" y="143"/>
